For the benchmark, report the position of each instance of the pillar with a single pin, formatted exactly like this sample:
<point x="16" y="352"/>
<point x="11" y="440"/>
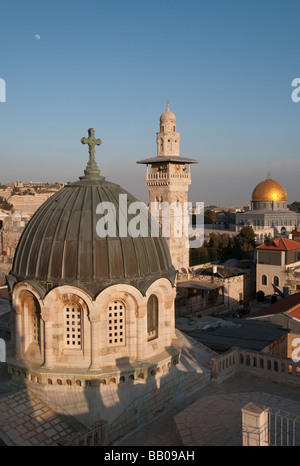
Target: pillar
<point x="94" y="344"/>
<point x="48" y="360"/>
<point x="141" y="334"/>
<point x="18" y="334"/>
<point x="255" y="426"/>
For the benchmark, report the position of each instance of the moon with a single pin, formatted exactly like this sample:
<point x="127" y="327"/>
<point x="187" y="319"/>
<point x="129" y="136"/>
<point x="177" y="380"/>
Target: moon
<point x="37" y="36"/>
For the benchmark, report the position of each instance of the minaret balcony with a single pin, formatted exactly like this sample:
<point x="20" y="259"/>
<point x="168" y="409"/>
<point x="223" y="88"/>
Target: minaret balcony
<point x="169" y="178"/>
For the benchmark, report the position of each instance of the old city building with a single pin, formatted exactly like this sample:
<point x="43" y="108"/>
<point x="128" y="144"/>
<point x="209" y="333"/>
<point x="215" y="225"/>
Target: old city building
<point x="269" y="214"/>
<point x="168" y="181"/>
<point x="278" y="264"/>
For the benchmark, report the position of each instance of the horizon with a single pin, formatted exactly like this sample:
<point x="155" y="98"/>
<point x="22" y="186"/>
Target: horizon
<point x="227" y="70"/>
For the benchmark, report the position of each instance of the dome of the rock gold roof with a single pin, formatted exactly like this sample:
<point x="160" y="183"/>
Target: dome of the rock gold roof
<point x="269" y="190"/>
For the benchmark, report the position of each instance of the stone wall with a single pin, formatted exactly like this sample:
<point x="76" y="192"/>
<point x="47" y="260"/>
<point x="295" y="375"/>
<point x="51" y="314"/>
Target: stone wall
<point x="159" y="393"/>
<point x="271" y="367"/>
<point x="234" y="290"/>
<point x="28" y="204"/>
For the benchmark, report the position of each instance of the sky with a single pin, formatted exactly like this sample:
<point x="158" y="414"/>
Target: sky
<point x="226" y="66"/>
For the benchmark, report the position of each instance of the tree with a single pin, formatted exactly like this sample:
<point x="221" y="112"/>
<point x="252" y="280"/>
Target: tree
<point x="4" y="204"/>
<point x="209" y="216"/>
<point x="295" y="206"/>
<point x="247" y="235"/>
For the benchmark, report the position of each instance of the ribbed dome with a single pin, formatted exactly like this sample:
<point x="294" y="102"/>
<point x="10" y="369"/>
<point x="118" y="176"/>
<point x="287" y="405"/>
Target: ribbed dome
<point x="167" y="116"/>
<point x="269" y="190"/>
<point x="60" y="244"/>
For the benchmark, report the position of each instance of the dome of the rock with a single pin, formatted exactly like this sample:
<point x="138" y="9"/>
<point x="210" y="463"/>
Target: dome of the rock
<point x="269" y="190"/>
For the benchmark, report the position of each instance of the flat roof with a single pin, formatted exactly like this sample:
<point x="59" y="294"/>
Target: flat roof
<point x="288" y="304"/>
<point x="247" y="334"/>
<point x="198" y="285"/>
<point x="169" y="158"/>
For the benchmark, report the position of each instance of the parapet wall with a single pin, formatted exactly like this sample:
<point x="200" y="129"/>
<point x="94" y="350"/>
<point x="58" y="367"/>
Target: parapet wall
<point x="271" y="367"/>
<point x="158" y="394"/>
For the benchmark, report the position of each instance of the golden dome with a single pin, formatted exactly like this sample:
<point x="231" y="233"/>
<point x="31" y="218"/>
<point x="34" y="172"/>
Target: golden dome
<point x="269" y="190"/>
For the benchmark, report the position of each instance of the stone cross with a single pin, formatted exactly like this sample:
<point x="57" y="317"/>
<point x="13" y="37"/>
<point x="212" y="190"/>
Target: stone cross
<point x="92" y="142"/>
<point x="92" y="169"/>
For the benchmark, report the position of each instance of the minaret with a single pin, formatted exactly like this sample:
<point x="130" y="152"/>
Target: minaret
<point x="168" y="139"/>
<point x="168" y="180"/>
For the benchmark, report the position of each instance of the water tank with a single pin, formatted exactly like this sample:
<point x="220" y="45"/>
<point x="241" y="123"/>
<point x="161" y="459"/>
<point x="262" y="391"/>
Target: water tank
<point x="273" y="298"/>
<point x="286" y="290"/>
<point x="260" y="296"/>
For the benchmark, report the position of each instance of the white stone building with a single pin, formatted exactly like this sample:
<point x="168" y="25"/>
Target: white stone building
<point x="277" y="262"/>
<point x="87" y="307"/>
<point x="168" y="182"/>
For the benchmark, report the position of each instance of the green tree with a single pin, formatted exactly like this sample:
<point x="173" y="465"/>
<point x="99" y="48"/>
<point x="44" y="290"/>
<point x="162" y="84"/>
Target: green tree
<point x="295" y="206"/>
<point x="209" y="216"/>
<point x="4" y="204"/>
<point x="247" y="235"/>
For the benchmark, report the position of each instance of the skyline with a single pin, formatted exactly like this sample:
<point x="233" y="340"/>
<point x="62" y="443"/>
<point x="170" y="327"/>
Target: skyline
<point x="227" y="70"/>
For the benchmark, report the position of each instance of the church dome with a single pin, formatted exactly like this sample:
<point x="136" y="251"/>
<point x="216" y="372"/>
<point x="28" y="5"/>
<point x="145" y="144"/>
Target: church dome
<point x="269" y="190"/>
<point x="168" y="116"/>
<point x="60" y="244"/>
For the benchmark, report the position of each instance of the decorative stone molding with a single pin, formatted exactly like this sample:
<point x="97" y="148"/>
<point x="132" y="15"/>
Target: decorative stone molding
<point x="46" y="314"/>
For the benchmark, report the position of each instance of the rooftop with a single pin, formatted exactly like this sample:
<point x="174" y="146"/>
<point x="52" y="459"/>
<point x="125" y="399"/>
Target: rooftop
<point x="289" y="304"/>
<point x="222" y="334"/>
<point x="280" y="244"/>
<point x="167" y="158"/>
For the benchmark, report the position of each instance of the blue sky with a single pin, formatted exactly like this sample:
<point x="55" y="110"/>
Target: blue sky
<point x="225" y="65"/>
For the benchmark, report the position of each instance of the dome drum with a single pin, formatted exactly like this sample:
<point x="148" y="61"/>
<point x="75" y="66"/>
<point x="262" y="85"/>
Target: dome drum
<point x="269" y="195"/>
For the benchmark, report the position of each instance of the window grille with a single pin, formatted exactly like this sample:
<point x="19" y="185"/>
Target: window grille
<point x="116" y="324"/>
<point x="73" y="326"/>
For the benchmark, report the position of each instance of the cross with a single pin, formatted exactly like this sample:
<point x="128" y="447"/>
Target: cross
<point x="92" y="142"/>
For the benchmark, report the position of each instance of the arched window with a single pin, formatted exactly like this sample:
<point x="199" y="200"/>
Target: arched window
<point x="276" y="280"/>
<point x="30" y="335"/>
<point x="152" y="317"/>
<point x="36" y="325"/>
<point x="116" y="324"/>
<point x="73" y="325"/>
<point x="264" y="280"/>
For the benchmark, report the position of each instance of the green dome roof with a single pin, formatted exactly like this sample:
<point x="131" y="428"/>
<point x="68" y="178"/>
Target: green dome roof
<point x="60" y="244"/>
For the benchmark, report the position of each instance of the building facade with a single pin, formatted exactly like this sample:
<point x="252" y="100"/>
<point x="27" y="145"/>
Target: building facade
<point x="85" y="306"/>
<point x="269" y="215"/>
<point x="276" y="261"/>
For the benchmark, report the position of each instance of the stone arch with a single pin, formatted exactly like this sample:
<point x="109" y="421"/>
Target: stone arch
<point x="165" y="293"/>
<point x="132" y="303"/>
<point x="71" y="310"/>
<point x="17" y="289"/>
<point x="28" y="325"/>
<point x="276" y="280"/>
<point x="152" y="317"/>
<point x="68" y="292"/>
